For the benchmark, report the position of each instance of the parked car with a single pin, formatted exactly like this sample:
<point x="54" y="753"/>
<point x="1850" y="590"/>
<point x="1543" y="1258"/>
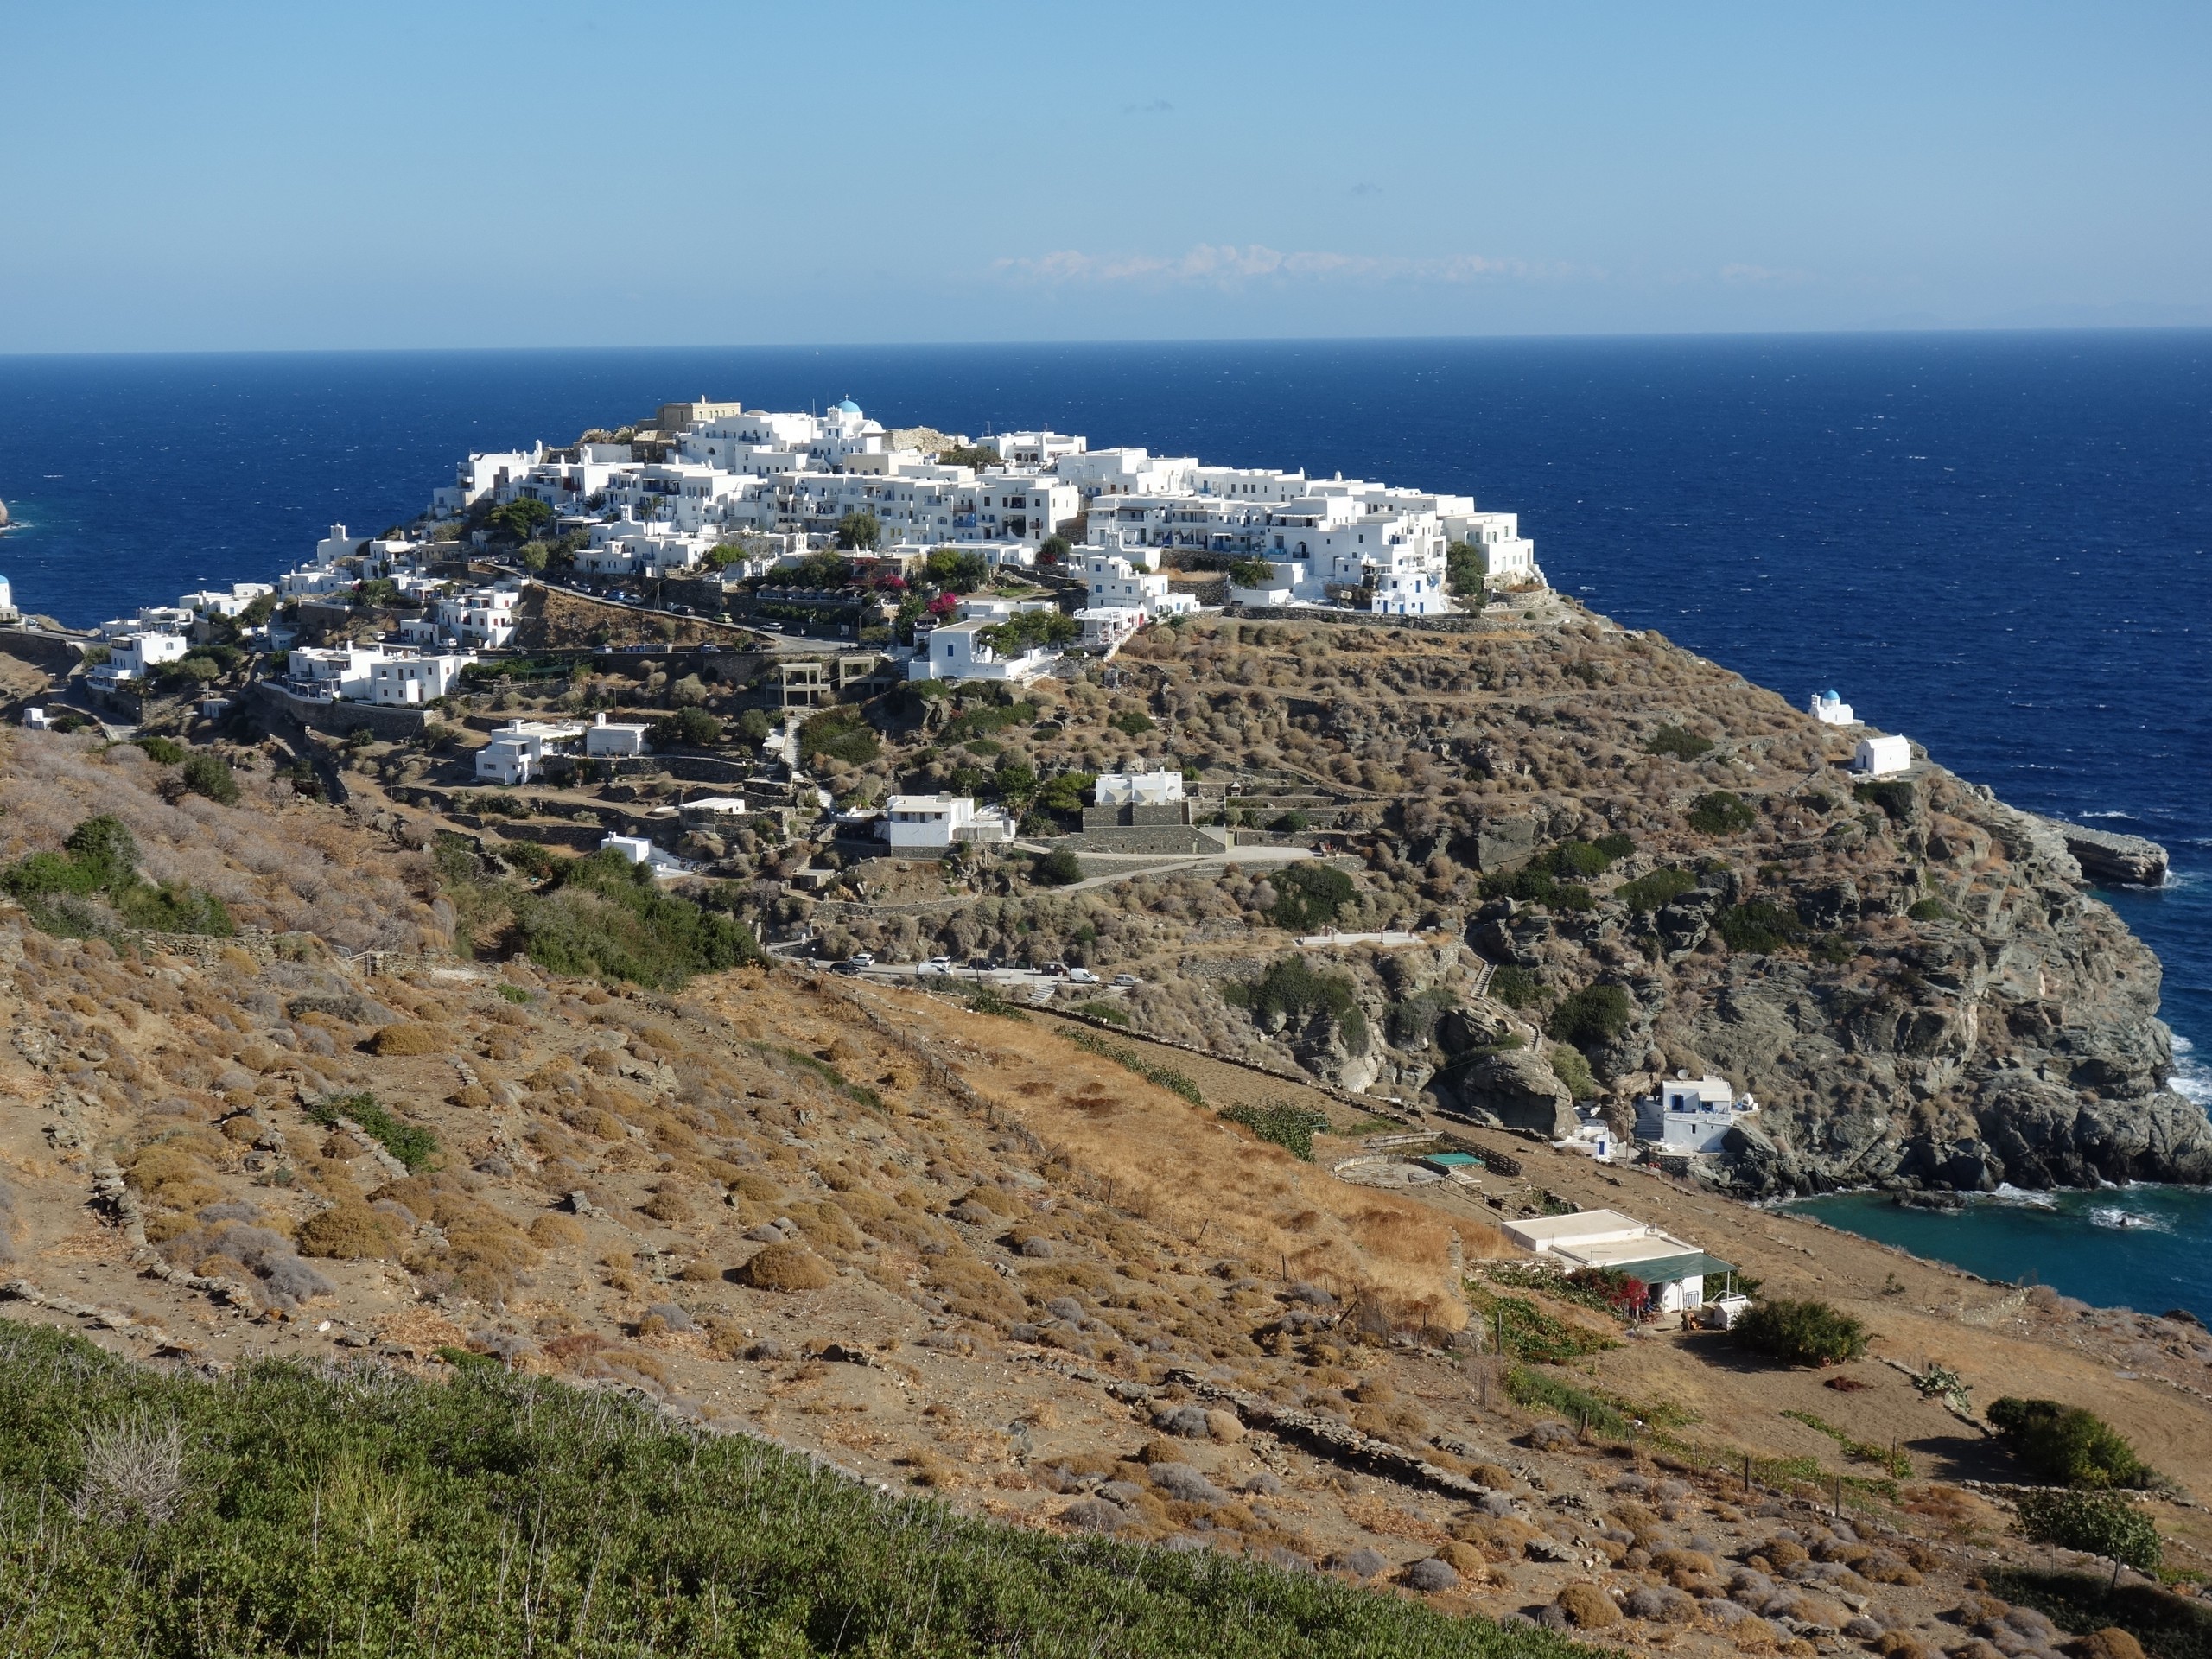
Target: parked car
<point x="938" y="964"/>
<point x="1082" y="977"/>
<point x="1057" y="969"/>
<point x="865" y="958"/>
<point x="849" y="965"/>
<point x="709" y="649"/>
<point x="1126" y="980"/>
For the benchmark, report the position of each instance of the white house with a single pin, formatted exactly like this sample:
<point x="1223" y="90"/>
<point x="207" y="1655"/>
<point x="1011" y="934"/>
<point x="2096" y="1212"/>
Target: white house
<point x="7" y="600"/>
<point x="956" y="651"/>
<point x="938" y="821"/>
<point x="1038" y="449"/>
<point x="1882" y="757"/>
<point x="1673" y="1270"/>
<point x="35" y="720"/>
<point x="136" y="655"/>
<point x="1107" y="628"/>
<point x="1161" y="788"/>
<point x="1691" y="1116"/>
<point x="605" y="736"/>
<point x="332" y="670"/>
<point x="716" y="812"/>
<point x="1286" y="580"/>
<point x="495" y="475"/>
<point x="1830" y="709"/>
<point x="408" y="680"/>
<point x="517" y="751"/>
<point x="219" y="601"/>
<point x="638" y="850"/>
<point x="1509" y="558"/>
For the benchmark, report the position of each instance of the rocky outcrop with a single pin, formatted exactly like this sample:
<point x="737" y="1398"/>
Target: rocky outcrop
<point x="2130" y="860"/>
<point x="1516" y="1089"/>
<point x="2011" y="1038"/>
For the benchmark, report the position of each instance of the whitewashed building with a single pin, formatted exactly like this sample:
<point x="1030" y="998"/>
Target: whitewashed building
<point x="958" y="651"/>
<point x="936" y="822"/>
<point x="1161" y="788"/>
<point x="408" y="679"/>
<point x="518" y="750"/>
<point x="1882" y="757"/>
<point x="1830" y="709"/>
<point x="135" y="655"/>
<point x="1673" y="1269"/>
<point x="1691" y="1115"/>
<point x="613" y="737"/>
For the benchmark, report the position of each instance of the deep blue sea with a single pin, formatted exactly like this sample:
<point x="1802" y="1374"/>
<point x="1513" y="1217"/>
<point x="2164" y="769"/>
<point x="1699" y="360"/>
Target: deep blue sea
<point x="1996" y="543"/>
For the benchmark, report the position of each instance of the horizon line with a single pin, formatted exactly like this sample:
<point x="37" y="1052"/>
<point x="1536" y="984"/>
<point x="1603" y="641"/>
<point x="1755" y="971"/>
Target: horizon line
<point x="1884" y="332"/>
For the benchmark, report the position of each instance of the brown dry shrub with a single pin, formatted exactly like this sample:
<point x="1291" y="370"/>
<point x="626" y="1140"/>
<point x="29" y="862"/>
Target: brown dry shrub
<point x="1783" y="1551"/>
<point x="927" y="1468"/>
<point x="475" y="1098"/>
<point x="599" y="1060"/>
<point x="408" y="1037"/>
<point x="1901" y="1645"/>
<point x="786" y="1267"/>
<point x="759" y="1188"/>
<point x="1587" y="1607"/>
<point x="349" y="1232"/>
<point x="2110" y="1643"/>
<point x="1466" y="1560"/>
<point x="825" y="1225"/>
<point x="553" y="1232"/>
<point x="174" y="1173"/>
<point x="994" y="1200"/>
<point x="669" y="1204"/>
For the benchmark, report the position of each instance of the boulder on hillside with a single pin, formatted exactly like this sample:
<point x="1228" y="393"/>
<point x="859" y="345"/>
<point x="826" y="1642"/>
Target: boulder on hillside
<point x="1516" y="1089"/>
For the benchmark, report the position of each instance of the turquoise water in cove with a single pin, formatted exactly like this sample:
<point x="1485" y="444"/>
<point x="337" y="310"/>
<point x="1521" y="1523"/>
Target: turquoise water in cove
<point x="1996" y="543"/>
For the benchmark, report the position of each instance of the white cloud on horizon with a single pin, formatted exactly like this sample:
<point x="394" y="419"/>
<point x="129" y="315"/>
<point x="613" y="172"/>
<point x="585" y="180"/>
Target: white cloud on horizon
<point x="1227" y="265"/>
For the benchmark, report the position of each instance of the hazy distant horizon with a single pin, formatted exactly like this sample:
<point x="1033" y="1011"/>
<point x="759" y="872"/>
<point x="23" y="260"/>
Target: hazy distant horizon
<point x="1622" y="335"/>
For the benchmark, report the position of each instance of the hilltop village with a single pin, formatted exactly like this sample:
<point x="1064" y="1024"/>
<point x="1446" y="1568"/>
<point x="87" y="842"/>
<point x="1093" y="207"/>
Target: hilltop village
<point x="1209" y="1007"/>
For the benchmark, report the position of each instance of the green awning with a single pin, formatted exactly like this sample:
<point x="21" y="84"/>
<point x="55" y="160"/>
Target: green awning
<point x="1667" y="1269"/>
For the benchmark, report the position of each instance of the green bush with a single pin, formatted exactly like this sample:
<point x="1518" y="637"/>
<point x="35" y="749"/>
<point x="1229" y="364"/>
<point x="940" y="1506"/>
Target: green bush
<point x="859" y="529"/>
<point x="2067" y="1446"/>
<point x="1672" y="740"/>
<point x="687" y="727"/>
<point x="1759" y="927"/>
<point x="2097" y="1523"/>
<point x="1252" y="573"/>
<point x="1466" y="567"/>
<point x="1656" y="891"/>
<point x="1291" y="989"/>
<point x="1931" y="910"/>
<point x="1414" y="1020"/>
<point x="1591" y="1017"/>
<point x="842" y="734"/>
<point x="1894" y="796"/>
<point x="1571" y="1069"/>
<point x="2168" y="1625"/>
<point x="1292" y="1127"/>
<point x="1518" y="987"/>
<point x="609" y="918"/>
<point x="211" y="775"/>
<point x="1801" y="1333"/>
<point x="1056" y="868"/>
<point x="1309" y="896"/>
<point x="92" y="889"/>
<point x="162" y="750"/>
<point x="1134" y="723"/>
<point x="955" y="571"/>
<point x="1291" y="823"/>
<point x="1718" y="812"/>
<point x="328" y="1510"/>
<point x="410" y="1143"/>
<point x="1535" y="883"/>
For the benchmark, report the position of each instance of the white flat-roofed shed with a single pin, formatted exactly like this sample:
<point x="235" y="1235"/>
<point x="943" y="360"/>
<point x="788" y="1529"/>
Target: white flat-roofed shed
<point x="1674" y="1268"/>
<point x="1882" y="757"/>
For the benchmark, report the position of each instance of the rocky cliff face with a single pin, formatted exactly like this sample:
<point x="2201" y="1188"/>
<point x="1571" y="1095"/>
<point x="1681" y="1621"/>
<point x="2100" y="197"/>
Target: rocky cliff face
<point x="1988" y="1021"/>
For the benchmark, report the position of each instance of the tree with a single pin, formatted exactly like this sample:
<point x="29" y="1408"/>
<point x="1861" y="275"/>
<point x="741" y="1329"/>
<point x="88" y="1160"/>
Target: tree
<point x="2067" y="1445"/>
<point x="689" y="728"/>
<point x="1056" y="868"/>
<point x="956" y="569"/>
<point x="859" y="529"/>
<point x="536" y="556"/>
<point x="1054" y="551"/>
<point x="1591" y="1017"/>
<point x="1466" y="569"/>
<point x="1801" y="1333"/>
<point x="2097" y="1523"/>
<point x="1252" y="573"/>
<point x="1718" y="812"/>
<point x="752" y="726"/>
<point x="518" y="520"/>
<point x="211" y="775"/>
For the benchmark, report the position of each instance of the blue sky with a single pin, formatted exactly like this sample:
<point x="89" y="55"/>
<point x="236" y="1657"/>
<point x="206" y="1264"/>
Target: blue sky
<point x="190" y="177"/>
